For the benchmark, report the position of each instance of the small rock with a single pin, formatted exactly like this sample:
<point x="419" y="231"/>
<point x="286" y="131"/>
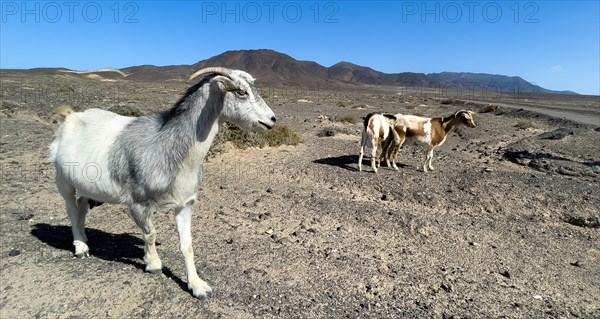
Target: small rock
<point x="577" y="263"/>
<point x="537" y="297"/>
<point x="254" y="216"/>
<point x="269" y="231"/>
<point x="298" y="233"/>
<point x="447" y="287"/>
<point x="472" y="243"/>
<point x="14" y="252"/>
<point x="285" y="240"/>
<point x="343" y="229"/>
<point x="269" y="190"/>
<point x="505" y="274"/>
<point x="488" y="169"/>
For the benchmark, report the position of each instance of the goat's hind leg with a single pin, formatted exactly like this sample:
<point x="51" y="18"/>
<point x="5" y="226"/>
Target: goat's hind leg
<point x="76" y="210"/>
<point x="374" y="158"/>
<point x="142" y="215"/>
<point x="391" y="153"/>
<point x="363" y="142"/>
<point x="200" y="289"/>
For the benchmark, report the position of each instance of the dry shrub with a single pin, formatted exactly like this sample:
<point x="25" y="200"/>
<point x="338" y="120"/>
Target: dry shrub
<point x="527" y="124"/>
<point x="489" y="108"/>
<point x="345" y="119"/>
<point x="327" y="132"/>
<point x="279" y="135"/>
<point x="66" y="89"/>
<point x="126" y="110"/>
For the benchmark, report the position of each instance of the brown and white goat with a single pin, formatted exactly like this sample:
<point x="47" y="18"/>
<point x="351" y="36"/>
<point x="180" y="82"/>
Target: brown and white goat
<point x="429" y="131"/>
<point x="377" y="128"/>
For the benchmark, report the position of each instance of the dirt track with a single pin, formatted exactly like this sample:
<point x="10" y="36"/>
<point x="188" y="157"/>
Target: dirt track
<point x="507" y="226"/>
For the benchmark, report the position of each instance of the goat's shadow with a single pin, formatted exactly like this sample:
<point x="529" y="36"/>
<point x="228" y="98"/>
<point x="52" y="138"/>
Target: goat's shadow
<point x="123" y="248"/>
<point x="348" y="162"/>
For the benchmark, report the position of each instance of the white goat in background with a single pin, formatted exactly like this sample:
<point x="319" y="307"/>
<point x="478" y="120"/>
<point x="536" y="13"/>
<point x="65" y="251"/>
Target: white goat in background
<point x="424" y="130"/>
<point x="152" y="162"/>
<point x="376" y="129"/>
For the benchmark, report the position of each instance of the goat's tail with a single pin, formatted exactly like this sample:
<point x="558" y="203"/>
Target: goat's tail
<point x="64" y="110"/>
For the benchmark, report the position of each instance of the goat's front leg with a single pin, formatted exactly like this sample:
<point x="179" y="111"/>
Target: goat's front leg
<point x="142" y="215"/>
<point x="200" y="289"/>
<point x="428" y="159"/>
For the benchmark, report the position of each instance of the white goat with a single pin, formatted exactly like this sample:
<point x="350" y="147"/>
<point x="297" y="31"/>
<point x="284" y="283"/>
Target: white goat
<point x="152" y="162"/>
<point x="429" y="131"/>
<point x="377" y="128"/>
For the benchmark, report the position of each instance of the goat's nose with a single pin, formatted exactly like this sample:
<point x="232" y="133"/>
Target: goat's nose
<point x="273" y="119"/>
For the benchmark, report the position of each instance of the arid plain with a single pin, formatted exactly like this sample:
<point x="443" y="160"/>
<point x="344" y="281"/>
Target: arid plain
<point x="507" y="226"/>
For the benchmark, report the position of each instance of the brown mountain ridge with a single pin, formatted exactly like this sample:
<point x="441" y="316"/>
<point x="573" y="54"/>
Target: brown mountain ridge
<point x="275" y="68"/>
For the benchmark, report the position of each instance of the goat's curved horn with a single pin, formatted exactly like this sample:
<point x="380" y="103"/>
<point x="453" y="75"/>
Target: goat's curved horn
<point x="216" y="70"/>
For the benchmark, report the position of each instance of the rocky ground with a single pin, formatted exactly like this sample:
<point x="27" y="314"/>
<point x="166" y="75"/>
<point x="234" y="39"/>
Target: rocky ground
<point x="507" y="226"/>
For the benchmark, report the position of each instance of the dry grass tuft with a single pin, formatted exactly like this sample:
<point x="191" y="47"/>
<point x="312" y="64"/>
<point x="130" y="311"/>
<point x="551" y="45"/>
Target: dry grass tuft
<point x="344" y="119"/>
<point x="527" y="124"/>
<point x="126" y="110"/>
<point x="279" y="135"/>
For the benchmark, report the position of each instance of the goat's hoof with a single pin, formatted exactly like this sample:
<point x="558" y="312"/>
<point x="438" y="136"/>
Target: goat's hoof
<point x="81" y="249"/>
<point x="201" y="291"/>
<point x="154" y="271"/>
<point x="154" y="266"/>
<point x="82" y="255"/>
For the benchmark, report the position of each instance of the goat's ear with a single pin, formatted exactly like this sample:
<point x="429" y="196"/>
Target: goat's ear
<point x="225" y="84"/>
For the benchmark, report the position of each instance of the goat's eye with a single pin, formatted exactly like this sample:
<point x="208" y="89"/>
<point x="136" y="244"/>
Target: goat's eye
<point x="242" y="93"/>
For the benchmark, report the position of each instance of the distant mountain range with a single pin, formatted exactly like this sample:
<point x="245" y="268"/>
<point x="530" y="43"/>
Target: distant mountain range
<point x="275" y="68"/>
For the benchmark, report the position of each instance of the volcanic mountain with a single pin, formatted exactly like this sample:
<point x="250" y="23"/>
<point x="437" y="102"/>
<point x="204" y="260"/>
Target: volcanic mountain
<point x="275" y="68"/>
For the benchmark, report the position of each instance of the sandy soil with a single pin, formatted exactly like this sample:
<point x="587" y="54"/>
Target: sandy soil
<point x="507" y="226"/>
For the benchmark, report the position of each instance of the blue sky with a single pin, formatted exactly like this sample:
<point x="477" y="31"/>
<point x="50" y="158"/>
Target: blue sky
<point x="554" y="44"/>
